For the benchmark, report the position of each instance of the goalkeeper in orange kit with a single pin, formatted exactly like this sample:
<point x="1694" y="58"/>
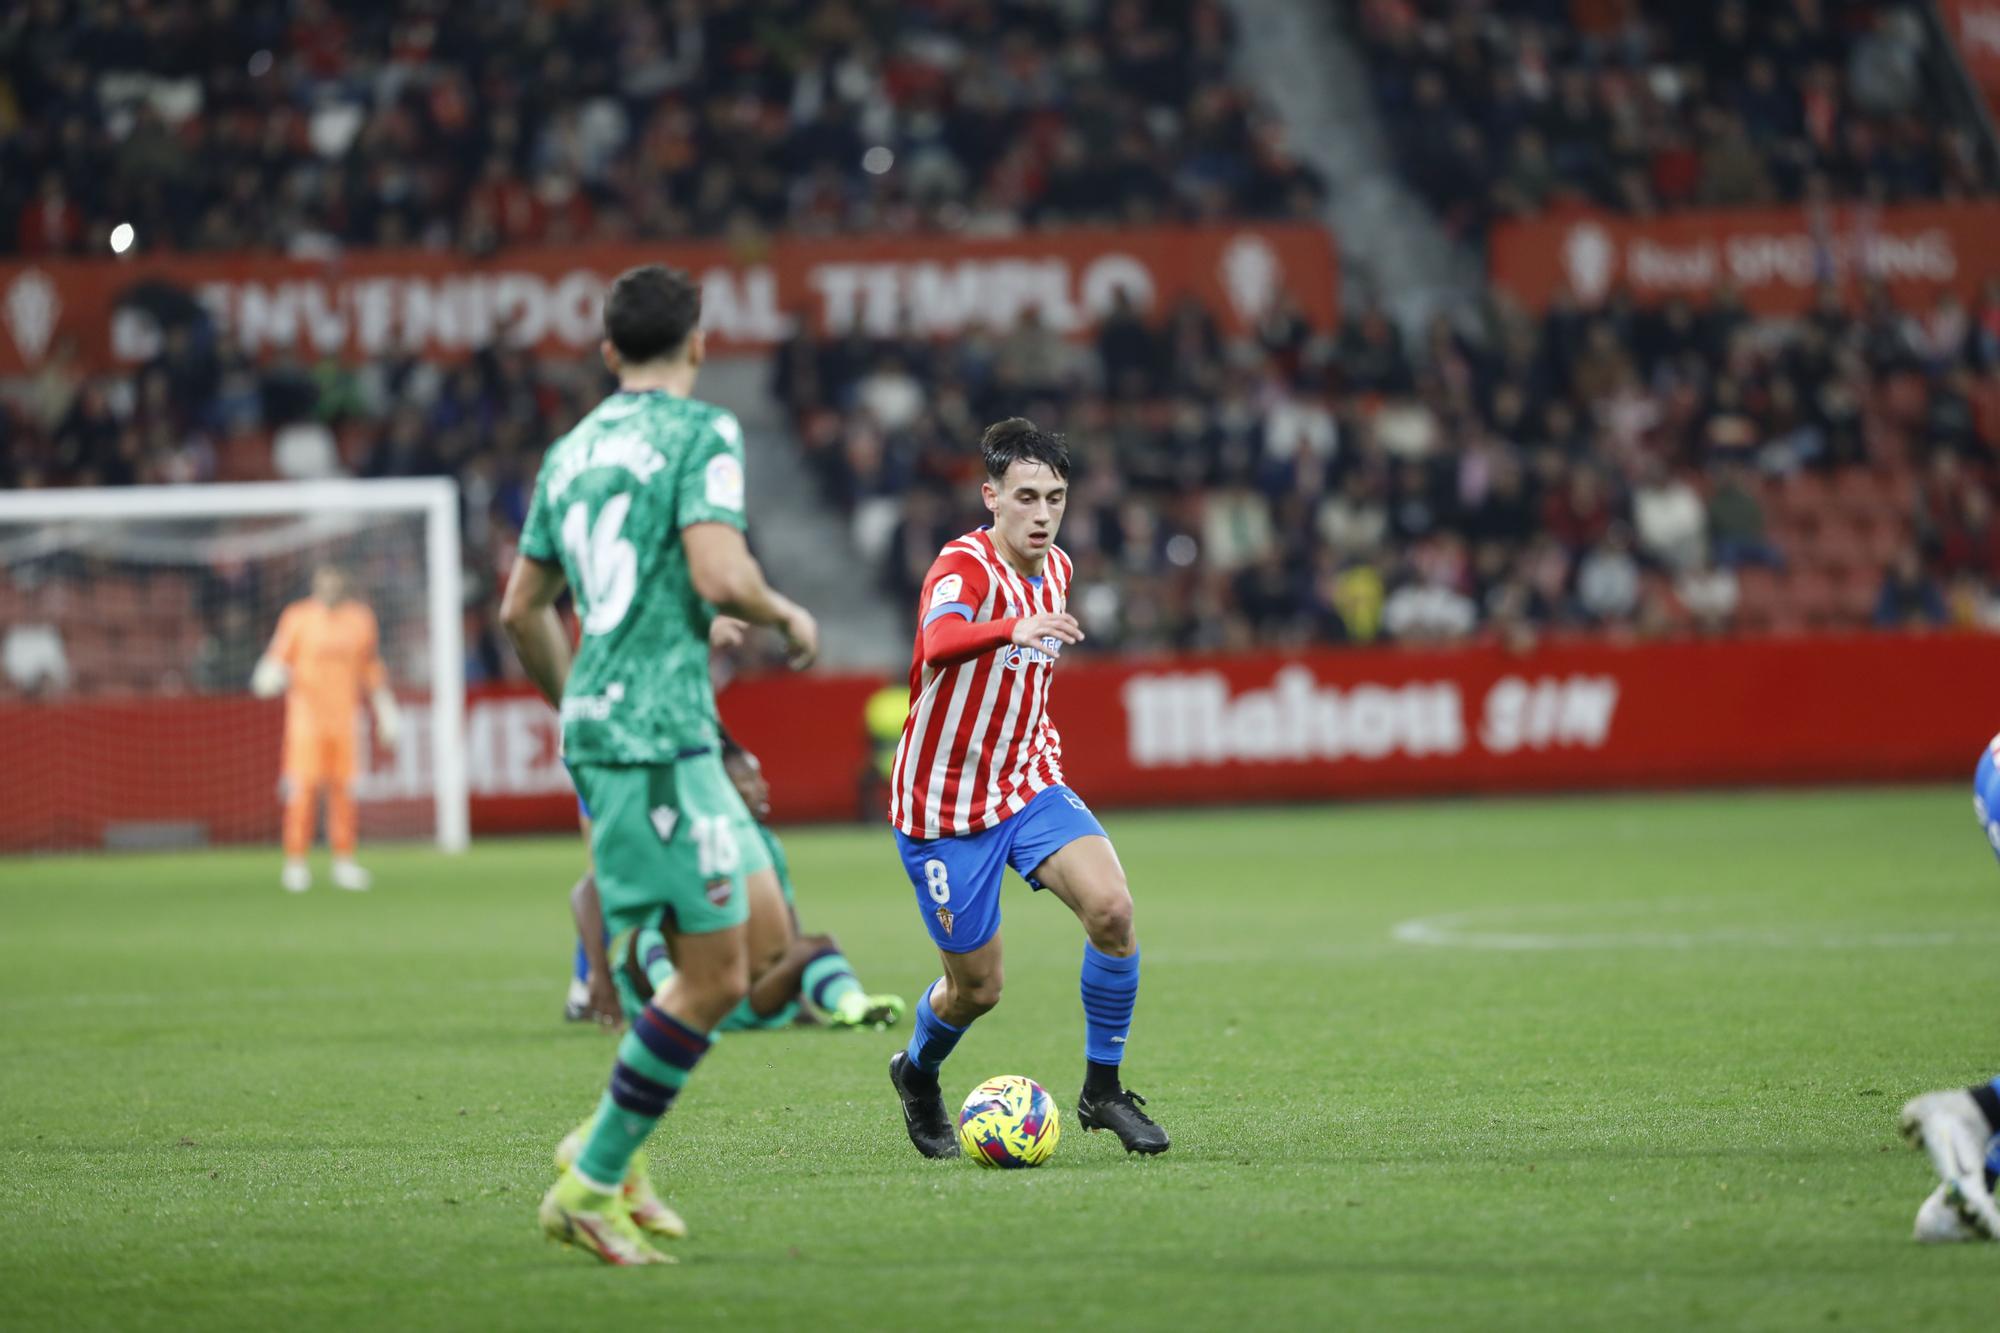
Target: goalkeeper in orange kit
<point x="323" y="659"/>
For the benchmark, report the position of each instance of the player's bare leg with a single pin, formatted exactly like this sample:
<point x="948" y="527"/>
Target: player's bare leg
<point x="770" y="930"/>
<point x="301" y="792"/>
<point x="580" y="1004"/>
<point x="1086" y="875"/>
<point x="969" y="988"/>
<point x="342" y="835"/>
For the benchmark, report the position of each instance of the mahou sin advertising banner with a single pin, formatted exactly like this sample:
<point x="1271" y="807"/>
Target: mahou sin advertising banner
<point x="1182" y="732"/>
<point x="444" y="305"/>
<point x="1775" y="258"/>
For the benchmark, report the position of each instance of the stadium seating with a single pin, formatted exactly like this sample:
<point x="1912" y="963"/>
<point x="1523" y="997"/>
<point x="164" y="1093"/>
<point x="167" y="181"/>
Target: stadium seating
<point x="1833" y="519"/>
<point x="1519" y="107"/>
<point x="221" y="128"/>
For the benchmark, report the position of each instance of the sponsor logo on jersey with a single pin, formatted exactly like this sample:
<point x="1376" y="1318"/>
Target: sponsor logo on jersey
<point x="593" y="707"/>
<point x="946" y="591"/>
<point x="945" y="918"/>
<point x="1017" y="655"/>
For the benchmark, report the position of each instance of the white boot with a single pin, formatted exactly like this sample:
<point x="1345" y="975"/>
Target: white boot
<point x="1938" y="1222"/>
<point x="1951" y="1128"/>
<point x="349" y="876"/>
<point x="297" y="876"/>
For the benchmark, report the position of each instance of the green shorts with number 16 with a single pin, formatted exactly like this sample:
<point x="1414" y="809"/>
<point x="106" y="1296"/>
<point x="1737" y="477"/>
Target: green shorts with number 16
<point x="671" y="844"/>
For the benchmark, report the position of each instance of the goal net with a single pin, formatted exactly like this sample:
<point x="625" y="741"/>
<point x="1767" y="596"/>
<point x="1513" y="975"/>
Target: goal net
<point x="132" y="619"/>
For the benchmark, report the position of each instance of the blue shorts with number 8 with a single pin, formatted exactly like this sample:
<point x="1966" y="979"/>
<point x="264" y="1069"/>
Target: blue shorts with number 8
<point x="958" y="879"/>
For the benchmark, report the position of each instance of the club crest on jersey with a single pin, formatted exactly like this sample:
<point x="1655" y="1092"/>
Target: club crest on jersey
<point x="945" y="918"/>
<point x="718" y="890"/>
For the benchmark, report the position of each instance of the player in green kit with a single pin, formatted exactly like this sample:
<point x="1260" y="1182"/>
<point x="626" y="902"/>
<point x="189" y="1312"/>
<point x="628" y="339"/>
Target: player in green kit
<point x="640" y="511"/>
<point x="795" y="976"/>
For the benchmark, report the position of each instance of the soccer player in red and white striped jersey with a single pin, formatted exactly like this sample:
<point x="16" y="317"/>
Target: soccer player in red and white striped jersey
<point x="978" y="786"/>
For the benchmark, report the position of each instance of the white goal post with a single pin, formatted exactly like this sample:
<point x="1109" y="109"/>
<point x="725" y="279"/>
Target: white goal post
<point x="130" y="523"/>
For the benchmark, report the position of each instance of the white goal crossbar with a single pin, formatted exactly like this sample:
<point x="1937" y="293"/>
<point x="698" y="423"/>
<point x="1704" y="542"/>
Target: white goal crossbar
<point x="435" y="499"/>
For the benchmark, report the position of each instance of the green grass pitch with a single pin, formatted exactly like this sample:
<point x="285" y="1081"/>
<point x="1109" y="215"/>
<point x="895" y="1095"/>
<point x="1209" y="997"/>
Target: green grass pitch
<point x="1621" y="1062"/>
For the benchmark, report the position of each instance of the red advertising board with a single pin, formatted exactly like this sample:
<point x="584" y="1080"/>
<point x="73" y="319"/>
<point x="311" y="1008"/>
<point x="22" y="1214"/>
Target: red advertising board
<point x="1974" y="29"/>
<point x="368" y="303"/>
<point x="1191" y="731"/>
<point x="1776" y="258"/>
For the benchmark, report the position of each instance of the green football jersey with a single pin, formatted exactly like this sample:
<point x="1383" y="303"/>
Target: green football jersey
<point x="609" y="506"/>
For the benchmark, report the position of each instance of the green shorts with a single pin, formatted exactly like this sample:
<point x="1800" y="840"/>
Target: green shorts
<point x="671" y="844"/>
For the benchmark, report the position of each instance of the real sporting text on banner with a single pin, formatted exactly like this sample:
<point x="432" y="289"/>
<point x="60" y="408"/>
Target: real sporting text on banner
<point x="1775" y="258"/>
<point x="1193" y="731"/>
<point x="369" y="303"/>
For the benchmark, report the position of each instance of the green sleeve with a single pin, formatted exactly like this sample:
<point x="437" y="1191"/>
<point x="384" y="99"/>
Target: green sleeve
<point x="538" y="532"/>
<point x="711" y="480"/>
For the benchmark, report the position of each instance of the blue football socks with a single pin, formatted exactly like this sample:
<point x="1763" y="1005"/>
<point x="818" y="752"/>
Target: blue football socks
<point x="933" y="1038"/>
<point x="1110" y="988"/>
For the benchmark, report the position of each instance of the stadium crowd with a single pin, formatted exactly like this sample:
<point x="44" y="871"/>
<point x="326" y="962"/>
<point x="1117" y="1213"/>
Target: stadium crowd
<point x="1594" y="470"/>
<point x="1515" y="108"/>
<point x="1603" y="470"/>
<point x="303" y="126"/>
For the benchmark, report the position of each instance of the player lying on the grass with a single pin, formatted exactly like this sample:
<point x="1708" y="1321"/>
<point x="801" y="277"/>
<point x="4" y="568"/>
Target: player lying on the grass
<point x="793" y="976"/>
<point x="1958" y="1127"/>
<point x="323" y="658"/>
<point x="639" y="511"/>
<point x="978" y="787"/>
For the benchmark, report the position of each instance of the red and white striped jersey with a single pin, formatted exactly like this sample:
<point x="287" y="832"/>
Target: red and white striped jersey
<point x="978" y="744"/>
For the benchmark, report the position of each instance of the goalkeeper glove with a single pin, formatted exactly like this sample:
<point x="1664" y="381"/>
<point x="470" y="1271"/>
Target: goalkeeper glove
<point x="388" y="720"/>
<point x="269" y="679"/>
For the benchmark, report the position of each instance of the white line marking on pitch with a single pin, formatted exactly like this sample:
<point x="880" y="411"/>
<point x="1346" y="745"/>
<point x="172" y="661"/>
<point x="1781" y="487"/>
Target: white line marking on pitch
<point x="1458" y="930"/>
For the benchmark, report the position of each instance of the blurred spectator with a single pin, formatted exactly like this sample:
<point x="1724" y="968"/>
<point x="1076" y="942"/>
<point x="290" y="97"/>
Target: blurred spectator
<point x="1909" y="598"/>
<point x="33" y="658"/>
<point x="1969" y="542"/>
<point x="1668" y="515"/>
<point x="1709" y="592"/>
<point x="1429" y="611"/>
<point x="1736" y="522"/>
<point x="1607" y="580"/>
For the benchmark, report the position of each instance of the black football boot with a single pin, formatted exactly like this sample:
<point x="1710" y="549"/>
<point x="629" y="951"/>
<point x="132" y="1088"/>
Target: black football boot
<point x="923" y="1108"/>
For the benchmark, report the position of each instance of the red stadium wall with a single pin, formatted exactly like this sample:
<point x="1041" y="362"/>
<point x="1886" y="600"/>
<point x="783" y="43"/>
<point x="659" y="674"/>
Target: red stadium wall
<point x="1777" y="258"/>
<point x="1323" y="725"/>
<point x="372" y="303"/>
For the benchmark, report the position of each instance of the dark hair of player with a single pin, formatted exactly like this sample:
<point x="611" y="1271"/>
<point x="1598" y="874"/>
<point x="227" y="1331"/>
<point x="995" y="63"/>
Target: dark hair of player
<point x="731" y="747"/>
<point x="1016" y="440"/>
<point x="650" y="311"/>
